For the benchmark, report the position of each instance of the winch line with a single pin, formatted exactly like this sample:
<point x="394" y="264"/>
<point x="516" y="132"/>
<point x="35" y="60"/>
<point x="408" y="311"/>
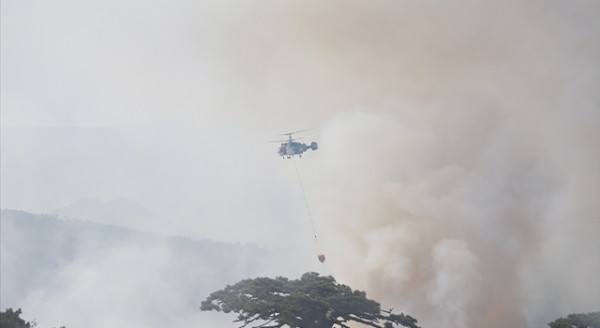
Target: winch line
<point x="310" y="215"/>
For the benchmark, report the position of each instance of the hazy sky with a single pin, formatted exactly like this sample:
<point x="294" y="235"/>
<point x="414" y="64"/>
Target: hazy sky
<point x="458" y="172"/>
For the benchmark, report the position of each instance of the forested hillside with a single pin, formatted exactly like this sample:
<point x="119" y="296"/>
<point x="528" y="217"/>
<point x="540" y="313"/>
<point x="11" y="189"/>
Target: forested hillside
<point x="78" y="273"/>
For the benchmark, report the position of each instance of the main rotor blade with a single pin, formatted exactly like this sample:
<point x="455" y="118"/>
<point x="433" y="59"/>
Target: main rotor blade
<point x="290" y="133"/>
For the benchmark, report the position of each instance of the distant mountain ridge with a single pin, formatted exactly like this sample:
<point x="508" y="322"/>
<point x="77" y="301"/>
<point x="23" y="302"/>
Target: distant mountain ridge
<point x="118" y="211"/>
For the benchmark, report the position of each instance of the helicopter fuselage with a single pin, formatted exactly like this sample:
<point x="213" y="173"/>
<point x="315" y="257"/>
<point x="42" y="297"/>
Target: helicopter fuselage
<point x="291" y="148"/>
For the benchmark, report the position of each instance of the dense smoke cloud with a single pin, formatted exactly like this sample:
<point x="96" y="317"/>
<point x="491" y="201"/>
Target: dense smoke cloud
<point x="475" y="206"/>
<point x="480" y="239"/>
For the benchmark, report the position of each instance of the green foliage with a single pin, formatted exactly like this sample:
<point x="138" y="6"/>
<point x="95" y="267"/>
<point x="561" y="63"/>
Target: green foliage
<point x="12" y="319"/>
<point x="579" y="320"/>
<point x="311" y="301"/>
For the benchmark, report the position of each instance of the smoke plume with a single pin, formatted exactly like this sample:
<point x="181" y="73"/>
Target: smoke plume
<point x="476" y="204"/>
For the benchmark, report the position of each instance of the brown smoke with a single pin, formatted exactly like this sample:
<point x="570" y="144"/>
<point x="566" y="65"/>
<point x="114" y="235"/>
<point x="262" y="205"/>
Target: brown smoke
<point x="459" y="185"/>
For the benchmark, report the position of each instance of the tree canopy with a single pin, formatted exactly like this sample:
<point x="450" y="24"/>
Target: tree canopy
<point x="12" y="319"/>
<point x="579" y="320"/>
<point x="312" y="301"/>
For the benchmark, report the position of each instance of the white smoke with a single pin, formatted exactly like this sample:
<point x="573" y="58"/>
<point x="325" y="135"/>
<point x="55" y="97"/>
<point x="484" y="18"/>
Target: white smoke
<point x="457" y="286"/>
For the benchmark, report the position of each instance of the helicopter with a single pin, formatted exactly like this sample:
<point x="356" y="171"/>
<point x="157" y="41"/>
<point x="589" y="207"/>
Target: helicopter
<point x="291" y="147"/>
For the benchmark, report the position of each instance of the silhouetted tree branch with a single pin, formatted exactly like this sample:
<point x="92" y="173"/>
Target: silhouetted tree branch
<point x="311" y="301"/>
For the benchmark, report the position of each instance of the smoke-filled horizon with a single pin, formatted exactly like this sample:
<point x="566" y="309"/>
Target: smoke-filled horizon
<point x="457" y="173"/>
